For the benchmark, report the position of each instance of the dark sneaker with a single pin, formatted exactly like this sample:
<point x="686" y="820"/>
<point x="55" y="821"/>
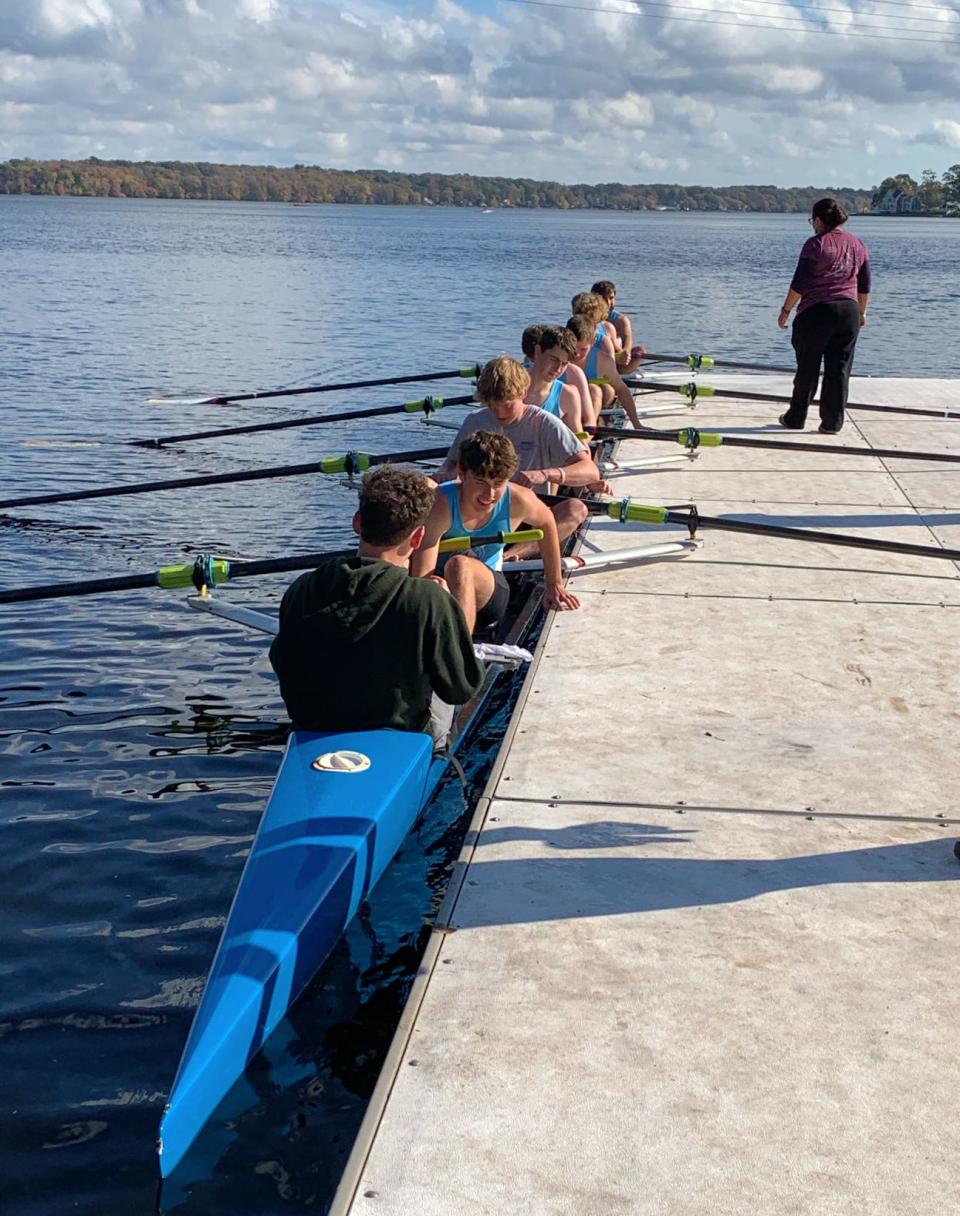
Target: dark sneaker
<point x="789" y="425"/>
<point x="828" y="430"/>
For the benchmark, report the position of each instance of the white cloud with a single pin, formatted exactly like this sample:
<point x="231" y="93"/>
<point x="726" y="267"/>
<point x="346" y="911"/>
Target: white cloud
<point x="948" y="132"/>
<point x="432" y="84"/>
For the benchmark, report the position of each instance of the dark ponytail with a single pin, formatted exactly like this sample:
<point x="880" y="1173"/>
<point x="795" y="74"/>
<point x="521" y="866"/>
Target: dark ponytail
<point x="829" y="212"/>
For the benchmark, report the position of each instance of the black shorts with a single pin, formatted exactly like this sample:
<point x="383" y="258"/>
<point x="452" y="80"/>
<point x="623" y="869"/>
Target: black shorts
<point x="496" y="605"/>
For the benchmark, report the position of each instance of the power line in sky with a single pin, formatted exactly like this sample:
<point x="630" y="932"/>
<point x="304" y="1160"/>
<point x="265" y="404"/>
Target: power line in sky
<point x="673" y="13"/>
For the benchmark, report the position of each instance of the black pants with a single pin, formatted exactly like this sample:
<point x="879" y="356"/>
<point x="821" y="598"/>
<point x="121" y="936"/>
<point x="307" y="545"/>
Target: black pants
<point x="826" y="332"/>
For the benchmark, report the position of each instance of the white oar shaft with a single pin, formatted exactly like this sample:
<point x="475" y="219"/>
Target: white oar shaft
<point x="588" y="562"/>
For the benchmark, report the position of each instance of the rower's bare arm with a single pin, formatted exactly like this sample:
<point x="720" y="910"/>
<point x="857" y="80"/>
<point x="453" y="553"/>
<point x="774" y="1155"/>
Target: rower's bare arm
<point x="608" y="369"/>
<point x="448" y="471"/>
<point x="570" y="409"/>
<point x="536" y="514"/>
<point x="578" y="380"/>
<point x="626" y="331"/>
<point x="423" y="561"/>
<point x="580" y="470"/>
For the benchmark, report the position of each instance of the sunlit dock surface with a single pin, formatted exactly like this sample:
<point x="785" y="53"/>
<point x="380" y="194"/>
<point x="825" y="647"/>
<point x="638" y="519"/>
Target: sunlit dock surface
<point x="700" y="954"/>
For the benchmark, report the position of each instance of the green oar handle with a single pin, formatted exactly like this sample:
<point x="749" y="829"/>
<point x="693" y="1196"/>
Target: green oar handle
<point x="458" y="544"/>
<point x="171" y="577"/>
<point x="424" y="405"/>
<point x="692" y="438"/>
<point x="627" y="511"/>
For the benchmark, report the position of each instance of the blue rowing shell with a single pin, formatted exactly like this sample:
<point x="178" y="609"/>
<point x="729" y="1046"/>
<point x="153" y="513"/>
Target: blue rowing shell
<point x="323" y="842"/>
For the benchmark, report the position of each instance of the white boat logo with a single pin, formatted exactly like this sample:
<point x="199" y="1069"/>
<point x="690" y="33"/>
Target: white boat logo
<point x="341" y="762"/>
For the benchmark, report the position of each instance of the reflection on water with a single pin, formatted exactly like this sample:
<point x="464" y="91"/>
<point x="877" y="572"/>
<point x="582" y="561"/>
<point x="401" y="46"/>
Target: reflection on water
<point x="138" y="740"/>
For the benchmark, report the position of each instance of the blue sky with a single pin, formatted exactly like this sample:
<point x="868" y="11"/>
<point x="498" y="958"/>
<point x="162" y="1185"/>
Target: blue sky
<point x="692" y="91"/>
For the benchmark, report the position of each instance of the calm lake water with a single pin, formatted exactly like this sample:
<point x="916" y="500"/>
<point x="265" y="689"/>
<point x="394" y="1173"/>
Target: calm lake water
<point x="137" y="740"/>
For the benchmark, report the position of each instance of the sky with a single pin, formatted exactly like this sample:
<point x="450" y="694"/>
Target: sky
<point x="710" y="92"/>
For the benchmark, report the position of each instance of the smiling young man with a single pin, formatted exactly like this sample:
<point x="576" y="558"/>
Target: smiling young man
<point x="484" y="502"/>
<point x="549" y="453"/>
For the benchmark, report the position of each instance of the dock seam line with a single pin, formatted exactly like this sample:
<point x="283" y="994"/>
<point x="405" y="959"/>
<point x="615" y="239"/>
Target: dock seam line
<point x="688" y="808"/>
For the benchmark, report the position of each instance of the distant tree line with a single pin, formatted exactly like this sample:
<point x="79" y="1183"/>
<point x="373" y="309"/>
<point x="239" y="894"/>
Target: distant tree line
<point x="935" y="192"/>
<point x="311" y="184"/>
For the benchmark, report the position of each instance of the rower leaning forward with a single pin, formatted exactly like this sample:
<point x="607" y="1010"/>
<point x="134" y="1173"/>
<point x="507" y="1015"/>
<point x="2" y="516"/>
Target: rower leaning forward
<point x="549" y="454"/>
<point x="482" y="503"/>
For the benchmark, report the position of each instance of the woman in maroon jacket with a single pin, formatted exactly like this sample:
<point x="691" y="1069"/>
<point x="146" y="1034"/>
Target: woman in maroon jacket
<point x="832" y="285"/>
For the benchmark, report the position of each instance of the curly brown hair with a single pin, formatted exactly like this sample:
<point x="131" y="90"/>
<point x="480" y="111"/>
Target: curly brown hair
<point x="595" y="308"/>
<point x="394" y="501"/>
<point x="489" y="455"/>
<point x="502" y="380"/>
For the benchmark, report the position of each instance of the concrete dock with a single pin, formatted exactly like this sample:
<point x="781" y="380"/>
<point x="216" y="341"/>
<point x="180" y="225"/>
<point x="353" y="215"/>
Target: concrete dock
<point x="698" y="955"/>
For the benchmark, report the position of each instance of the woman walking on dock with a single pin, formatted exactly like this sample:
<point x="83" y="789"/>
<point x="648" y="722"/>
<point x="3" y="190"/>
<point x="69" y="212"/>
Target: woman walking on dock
<point x="832" y="285"/>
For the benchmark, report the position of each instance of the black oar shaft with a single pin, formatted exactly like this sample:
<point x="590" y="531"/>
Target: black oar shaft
<point x="211" y="479"/>
<point x="686" y="517"/>
<point x="784" y="398"/>
<point x="725" y="524"/>
<point x="784" y="445"/>
<point x="291" y="423"/>
<point x="691" y="361"/>
<point x="228" y="399"/>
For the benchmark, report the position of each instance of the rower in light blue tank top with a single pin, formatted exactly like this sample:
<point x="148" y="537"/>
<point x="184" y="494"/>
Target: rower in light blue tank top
<point x="499" y="521"/>
<point x="551" y="403"/>
<point x="614" y="313"/>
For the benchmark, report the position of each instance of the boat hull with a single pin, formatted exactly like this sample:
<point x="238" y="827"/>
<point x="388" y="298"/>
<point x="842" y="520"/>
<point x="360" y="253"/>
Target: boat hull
<point x="324" y="839"/>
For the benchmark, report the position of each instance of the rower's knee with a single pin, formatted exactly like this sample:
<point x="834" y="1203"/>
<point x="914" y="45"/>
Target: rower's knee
<point x="569" y="515"/>
<point x="459" y="570"/>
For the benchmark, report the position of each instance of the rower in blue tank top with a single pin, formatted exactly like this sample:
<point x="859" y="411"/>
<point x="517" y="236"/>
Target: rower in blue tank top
<point x="551" y="403"/>
<point x="499" y="521"/>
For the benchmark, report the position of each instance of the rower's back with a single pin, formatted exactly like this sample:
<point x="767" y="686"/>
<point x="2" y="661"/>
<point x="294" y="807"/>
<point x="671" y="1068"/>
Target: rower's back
<point x="361" y="644"/>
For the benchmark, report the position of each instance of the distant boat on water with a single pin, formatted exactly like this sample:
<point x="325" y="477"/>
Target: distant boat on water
<point x="487" y="210"/>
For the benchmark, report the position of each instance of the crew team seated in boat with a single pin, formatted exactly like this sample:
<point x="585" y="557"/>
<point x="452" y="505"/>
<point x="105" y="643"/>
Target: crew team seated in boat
<point x="548" y="452"/>
<point x="551" y="354"/>
<point x="629" y="357"/>
<point x="595" y="356"/>
<point x="571" y="374"/>
<point x="482" y="503"/>
<point x="361" y="644"/>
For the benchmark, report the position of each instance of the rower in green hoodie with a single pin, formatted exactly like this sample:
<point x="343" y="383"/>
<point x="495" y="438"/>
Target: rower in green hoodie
<point x="361" y="644"/>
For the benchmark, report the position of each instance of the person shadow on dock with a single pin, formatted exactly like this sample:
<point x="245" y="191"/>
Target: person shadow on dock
<point x="542" y="888"/>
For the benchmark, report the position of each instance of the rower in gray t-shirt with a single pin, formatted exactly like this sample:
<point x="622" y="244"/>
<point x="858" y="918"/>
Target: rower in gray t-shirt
<point x="542" y="441"/>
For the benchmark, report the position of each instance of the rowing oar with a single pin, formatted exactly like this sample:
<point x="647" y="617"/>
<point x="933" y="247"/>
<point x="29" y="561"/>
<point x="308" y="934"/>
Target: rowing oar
<point x="693" y="390"/>
<point x="627" y="511"/>
<point x="352" y="462"/>
<point x="207" y="571"/>
<point x="698" y="362"/>
<point x="423" y="405"/>
<point x="467" y="373"/>
<point x="692" y="439"/>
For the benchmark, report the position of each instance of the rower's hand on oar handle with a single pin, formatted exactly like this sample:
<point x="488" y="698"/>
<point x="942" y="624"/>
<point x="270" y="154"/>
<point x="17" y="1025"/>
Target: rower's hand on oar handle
<point x="559" y="598"/>
<point x="439" y="580"/>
